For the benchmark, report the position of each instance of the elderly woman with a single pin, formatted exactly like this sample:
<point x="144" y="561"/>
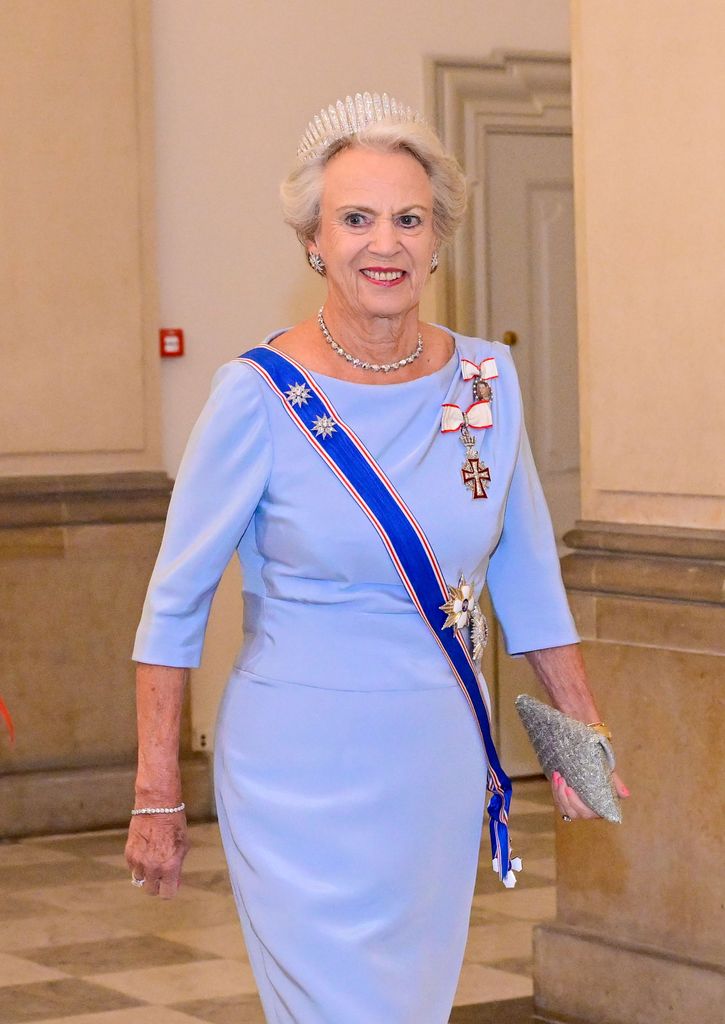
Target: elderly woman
<point x="372" y="472"/>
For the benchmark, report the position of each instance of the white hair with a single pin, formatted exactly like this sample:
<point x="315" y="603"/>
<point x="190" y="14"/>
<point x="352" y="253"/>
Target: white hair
<point x="301" y="192"/>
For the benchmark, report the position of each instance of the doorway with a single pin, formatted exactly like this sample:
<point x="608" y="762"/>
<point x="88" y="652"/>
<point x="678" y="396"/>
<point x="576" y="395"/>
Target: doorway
<point x="511" y="277"/>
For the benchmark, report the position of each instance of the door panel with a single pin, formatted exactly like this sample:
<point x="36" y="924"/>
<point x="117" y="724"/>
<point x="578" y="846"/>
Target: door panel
<point x="531" y="285"/>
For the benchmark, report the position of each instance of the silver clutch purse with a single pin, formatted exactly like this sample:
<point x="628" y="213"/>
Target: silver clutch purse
<point x="582" y="756"/>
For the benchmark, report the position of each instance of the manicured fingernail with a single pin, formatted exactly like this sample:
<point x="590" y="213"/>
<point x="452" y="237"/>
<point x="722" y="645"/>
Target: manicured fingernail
<point x="625" y="791"/>
<point x="555" y="777"/>
<point x="569" y="791"/>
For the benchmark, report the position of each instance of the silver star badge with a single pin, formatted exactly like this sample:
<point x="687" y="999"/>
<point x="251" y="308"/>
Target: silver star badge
<point x="479" y="631"/>
<point x="324" y="426"/>
<point x="297" y="394"/>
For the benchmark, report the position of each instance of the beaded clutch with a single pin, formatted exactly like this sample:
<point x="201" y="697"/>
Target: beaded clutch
<point x="584" y="757"/>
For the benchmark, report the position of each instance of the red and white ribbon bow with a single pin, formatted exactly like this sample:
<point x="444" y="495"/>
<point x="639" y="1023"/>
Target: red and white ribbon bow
<point x="477" y="416"/>
<point x="485" y="370"/>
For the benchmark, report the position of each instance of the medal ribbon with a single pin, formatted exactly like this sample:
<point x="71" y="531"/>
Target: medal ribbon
<point x="485" y="370"/>
<point x="312" y="412"/>
<point x="477" y="416"/>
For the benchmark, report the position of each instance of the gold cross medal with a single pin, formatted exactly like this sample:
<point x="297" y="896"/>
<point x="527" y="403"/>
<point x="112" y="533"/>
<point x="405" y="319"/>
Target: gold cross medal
<point x="462" y="609"/>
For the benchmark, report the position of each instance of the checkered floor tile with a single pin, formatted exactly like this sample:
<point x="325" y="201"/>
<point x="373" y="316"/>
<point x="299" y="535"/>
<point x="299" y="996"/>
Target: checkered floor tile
<point x="78" y="946"/>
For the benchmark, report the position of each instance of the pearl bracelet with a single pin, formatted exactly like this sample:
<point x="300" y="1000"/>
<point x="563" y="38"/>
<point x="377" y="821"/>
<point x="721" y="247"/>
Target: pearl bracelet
<point x="158" y="810"/>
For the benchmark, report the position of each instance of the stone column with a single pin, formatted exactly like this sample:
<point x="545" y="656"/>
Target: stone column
<point x="75" y="556"/>
<point x="639" y="936"/>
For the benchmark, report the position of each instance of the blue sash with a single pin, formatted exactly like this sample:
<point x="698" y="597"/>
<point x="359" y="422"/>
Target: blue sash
<point x="312" y="412"/>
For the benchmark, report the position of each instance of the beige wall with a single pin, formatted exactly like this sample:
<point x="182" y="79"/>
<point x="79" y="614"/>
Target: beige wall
<point x="649" y="92"/>
<point x="78" y="366"/>
<point x="236" y="84"/>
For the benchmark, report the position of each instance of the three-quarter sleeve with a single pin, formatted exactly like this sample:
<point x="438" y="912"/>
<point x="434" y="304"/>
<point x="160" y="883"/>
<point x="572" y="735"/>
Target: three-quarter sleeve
<point x="524" y="575"/>
<point x="220" y="482"/>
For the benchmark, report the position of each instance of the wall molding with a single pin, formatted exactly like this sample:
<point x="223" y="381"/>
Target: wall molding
<point x="36" y="501"/>
<point x="510" y="92"/>
<point x="82" y="799"/>
<point x="80" y="378"/>
<point x="646" y="561"/>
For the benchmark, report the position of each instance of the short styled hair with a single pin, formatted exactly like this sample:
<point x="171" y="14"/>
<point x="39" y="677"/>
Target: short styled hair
<point x="301" y="192"/>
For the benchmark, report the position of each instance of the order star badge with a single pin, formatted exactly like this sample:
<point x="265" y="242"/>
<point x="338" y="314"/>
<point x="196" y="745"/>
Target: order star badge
<point x="479" y="631"/>
<point x="459" y="606"/>
<point x="462" y="609"/>
<point x="324" y="426"/>
<point x="297" y="394"/>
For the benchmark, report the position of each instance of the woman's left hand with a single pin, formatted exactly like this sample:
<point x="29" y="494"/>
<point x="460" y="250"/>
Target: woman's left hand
<point x="570" y="805"/>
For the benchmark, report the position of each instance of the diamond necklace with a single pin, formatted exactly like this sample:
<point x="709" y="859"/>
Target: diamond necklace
<point x="363" y="364"/>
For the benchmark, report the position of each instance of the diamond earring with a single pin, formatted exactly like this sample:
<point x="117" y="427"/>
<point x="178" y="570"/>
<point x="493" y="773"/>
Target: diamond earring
<point x="316" y="262"/>
<point x="434" y="263"/>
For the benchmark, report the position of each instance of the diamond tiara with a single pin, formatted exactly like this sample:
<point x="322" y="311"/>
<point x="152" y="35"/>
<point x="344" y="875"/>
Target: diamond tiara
<point x="349" y="116"/>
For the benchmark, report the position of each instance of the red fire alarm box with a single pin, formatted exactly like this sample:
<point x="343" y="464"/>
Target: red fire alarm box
<point x="171" y="342"/>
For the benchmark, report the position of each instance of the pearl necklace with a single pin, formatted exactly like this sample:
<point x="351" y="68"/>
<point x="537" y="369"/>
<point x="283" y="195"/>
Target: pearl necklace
<point x="362" y="364"/>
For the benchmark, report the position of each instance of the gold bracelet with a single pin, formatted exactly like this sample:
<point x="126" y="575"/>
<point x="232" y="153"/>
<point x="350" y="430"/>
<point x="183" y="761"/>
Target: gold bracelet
<point x="602" y="728"/>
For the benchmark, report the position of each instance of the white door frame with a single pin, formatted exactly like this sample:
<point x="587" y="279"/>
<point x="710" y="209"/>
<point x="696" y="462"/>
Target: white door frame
<point x="509" y="92"/>
<point x="515" y="91"/>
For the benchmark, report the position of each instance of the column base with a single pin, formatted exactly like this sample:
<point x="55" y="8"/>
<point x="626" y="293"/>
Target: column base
<point x="83" y="799"/>
<point x="589" y="980"/>
<point x="638" y="937"/>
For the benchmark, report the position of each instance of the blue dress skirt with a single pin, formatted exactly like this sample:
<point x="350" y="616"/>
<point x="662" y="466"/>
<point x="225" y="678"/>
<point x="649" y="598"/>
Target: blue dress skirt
<point x="349" y="770"/>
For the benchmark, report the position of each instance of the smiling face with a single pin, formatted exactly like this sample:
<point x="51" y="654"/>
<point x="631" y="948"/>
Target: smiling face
<point x="376" y="232"/>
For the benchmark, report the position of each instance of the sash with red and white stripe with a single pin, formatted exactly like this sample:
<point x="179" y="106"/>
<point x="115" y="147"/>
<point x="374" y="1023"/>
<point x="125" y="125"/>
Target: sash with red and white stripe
<point x="311" y="411"/>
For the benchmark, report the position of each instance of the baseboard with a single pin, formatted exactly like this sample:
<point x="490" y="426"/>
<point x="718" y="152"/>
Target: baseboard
<point x="583" y="978"/>
<point x="84" y="799"/>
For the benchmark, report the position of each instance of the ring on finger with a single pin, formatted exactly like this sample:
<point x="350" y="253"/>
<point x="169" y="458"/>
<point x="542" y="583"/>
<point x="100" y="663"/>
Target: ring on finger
<point x="138" y="882"/>
<point x="565" y="817"/>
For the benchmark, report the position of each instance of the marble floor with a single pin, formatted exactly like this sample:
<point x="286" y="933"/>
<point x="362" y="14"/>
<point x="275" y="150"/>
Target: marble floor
<point x="79" y="946"/>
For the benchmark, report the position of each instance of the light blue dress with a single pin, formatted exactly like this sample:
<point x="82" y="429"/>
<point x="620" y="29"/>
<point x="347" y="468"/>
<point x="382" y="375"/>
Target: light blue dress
<point x="349" y="769"/>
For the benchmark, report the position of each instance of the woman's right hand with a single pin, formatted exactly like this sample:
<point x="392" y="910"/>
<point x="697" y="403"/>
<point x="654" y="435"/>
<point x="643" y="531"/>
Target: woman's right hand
<point x="155" y="851"/>
<point x="158" y="843"/>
